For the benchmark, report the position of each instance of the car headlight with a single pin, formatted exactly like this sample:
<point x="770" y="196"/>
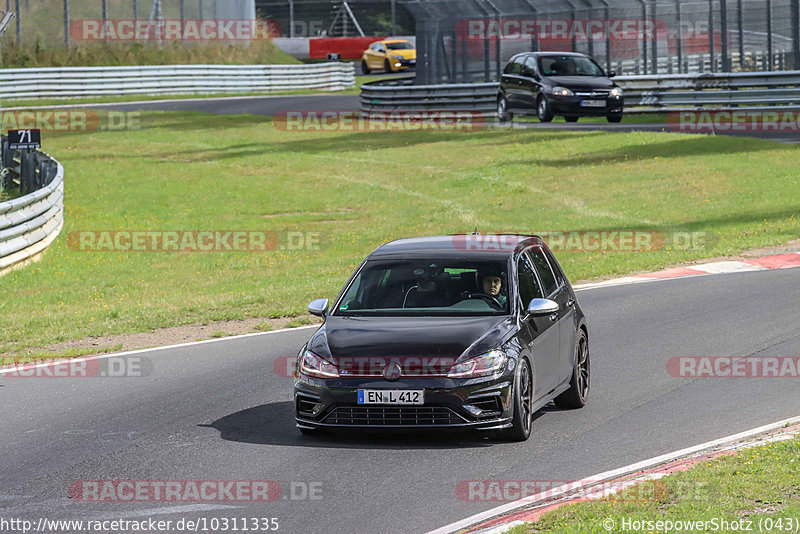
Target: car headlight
<point x="562" y="91"/>
<point x="313" y="365"/>
<point x="487" y="364"/>
<point x="616" y="92"/>
<point x="397" y="57"/>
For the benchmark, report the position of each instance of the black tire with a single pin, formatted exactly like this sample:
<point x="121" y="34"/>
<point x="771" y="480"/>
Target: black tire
<point x="543" y="110"/>
<point x="387" y="66"/>
<point x="364" y="67"/>
<point x="614" y="118"/>
<point x="571" y="118"/>
<point x="503" y="115"/>
<point x="522" y="420"/>
<point x="578" y="393"/>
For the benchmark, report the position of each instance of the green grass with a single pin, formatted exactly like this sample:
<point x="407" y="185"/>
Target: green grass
<point x="118" y="54"/>
<point x="754" y="485"/>
<point x="8" y="194"/>
<point x="357" y="190"/>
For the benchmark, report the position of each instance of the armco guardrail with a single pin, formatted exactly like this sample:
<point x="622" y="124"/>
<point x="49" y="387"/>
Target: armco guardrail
<point x="709" y="91"/>
<point x="173" y="79"/>
<point x="652" y="93"/>
<point x="28" y="224"/>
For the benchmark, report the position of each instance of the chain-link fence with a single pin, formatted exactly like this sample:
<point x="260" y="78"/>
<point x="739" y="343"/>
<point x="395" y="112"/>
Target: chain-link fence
<point x="49" y="23"/>
<point x="471" y="40"/>
<point x="315" y="18"/>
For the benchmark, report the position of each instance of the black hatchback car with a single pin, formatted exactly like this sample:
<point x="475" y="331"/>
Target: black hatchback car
<point x="464" y="331"/>
<point x="557" y="83"/>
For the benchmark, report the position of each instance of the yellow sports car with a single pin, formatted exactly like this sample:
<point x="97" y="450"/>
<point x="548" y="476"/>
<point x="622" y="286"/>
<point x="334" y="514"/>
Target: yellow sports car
<point x="390" y="55"/>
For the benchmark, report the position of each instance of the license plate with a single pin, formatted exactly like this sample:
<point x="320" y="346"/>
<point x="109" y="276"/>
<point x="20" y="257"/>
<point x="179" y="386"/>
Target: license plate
<point x="391" y="396"/>
<point x="593" y="103"/>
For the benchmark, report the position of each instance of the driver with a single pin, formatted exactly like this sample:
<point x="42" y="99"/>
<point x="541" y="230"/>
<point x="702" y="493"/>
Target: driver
<point x="492" y="285"/>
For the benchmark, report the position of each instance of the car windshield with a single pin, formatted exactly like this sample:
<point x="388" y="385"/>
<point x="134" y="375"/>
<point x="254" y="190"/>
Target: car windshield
<point x="427" y="287"/>
<point x="569" y="66"/>
<point x="401" y="45"/>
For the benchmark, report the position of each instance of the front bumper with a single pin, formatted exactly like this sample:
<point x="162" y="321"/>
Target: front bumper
<point x="571" y="105"/>
<point x="405" y="64"/>
<point x="479" y="404"/>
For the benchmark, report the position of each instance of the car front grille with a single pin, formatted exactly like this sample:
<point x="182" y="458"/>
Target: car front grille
<point x="592" y="94"/>
<point x="393" y="415"/>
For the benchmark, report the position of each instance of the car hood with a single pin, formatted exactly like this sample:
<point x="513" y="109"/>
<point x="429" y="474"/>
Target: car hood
<point x="582" y="82"/>
<point x="406" y="337"/>
<point x="405" y="54"/>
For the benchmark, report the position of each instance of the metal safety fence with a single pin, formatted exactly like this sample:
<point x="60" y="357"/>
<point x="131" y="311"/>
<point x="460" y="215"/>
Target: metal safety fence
<point x="173" y="79"/>
<point x="30" y="222"/>
<point x="643" y="94"/>
<point x="471" y="40"/>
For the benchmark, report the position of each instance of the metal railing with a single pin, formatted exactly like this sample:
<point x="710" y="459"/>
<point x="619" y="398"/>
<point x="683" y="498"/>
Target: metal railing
<point x="173" y="79"/>
<point x="643" y="94"/>
<point x="29" y="223"/>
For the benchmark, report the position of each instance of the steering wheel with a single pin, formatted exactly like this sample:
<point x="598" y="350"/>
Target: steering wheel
<point x="483" y="296"/>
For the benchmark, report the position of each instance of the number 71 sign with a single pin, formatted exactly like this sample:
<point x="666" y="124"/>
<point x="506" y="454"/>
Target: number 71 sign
<point x="24" y="139"/>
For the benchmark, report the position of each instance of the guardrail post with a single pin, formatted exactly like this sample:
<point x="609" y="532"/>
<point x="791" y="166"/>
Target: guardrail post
<point x="769" y="35"/>
<point x="654" y="51"/>
<point x="66" y="24"/>
<point x="26" y="173"/>
<point x="795" y="14"/>
<point x="711" y="50"/>
<point x="679" y="35"/>
<point x="723" y="35"/>
<point x="19" y="22"/>
<point x="740" y="22"/>
<point x="644" y="41"/>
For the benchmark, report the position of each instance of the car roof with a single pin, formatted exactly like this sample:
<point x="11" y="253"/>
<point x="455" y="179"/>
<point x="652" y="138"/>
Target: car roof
<point x="396" y="41"/>
<point x="489" y="246"/>
<point x="553" y="53"/>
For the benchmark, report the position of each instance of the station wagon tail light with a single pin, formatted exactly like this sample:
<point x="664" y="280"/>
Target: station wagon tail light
<point x="562" y="91"/>
<point x="313" y="365"/>
<point x="616" y="92"/>
<point x="487" y="364"/>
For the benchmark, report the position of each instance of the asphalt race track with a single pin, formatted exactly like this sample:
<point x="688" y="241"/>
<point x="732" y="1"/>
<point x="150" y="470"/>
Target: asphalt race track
<point x="218" y="411"/>
<point x="273" y="105"/>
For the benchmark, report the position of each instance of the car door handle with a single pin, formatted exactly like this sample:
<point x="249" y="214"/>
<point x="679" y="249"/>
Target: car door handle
<point x="553" y="317"/>
<point x="571" y="302"/>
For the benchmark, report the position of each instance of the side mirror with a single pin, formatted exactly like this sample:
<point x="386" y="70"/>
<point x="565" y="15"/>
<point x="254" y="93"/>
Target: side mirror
<point x="612" y="73"/>
<point x="539" y="307"/>
<point x="318" y="307"/>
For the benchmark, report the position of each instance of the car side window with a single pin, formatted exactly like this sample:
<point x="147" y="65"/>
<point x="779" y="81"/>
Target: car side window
<point x="554" y="265"/>
<point x="516" y="66"/>
<point x="544" y="270"/>
<point x="528" y="284"/>
<point x="381" y="48"/>
<point x="530" y="64"/>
